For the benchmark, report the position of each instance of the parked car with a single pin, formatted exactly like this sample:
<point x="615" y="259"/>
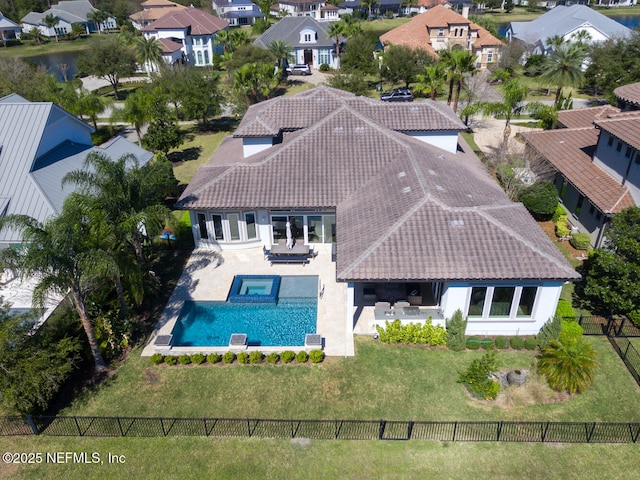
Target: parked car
<point x="397" y="95"/>
<point x="299" y="69"/>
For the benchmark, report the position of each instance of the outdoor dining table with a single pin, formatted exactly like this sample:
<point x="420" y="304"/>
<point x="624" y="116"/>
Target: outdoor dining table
<point x="302" y="250"/>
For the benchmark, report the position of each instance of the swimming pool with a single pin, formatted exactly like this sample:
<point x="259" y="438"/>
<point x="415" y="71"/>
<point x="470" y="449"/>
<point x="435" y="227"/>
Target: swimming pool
<point x="281" y="324"/>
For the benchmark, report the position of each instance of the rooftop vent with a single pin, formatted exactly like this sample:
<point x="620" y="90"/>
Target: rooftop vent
<point x="406" y="190"/>
<point x="441" y="157"/>
<point x="359" y="129"/>
<point x="339" y="129"/>
<point x="457" y="223"/>
<point x="432" y="172"/>
<point x="440" y="188"/>
<point x="402" y="174"/>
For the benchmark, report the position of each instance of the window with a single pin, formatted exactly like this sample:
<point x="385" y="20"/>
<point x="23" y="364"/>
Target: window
<point x="490" y="57"/>
<point x="206" y="57"/>
<point x="197" y="41"/>
<point x="527" y="299"/>
<point x="250" y="220"/>
<point x="619" y="146"/>
<point x="217" y="226"/>
<point x="202" y="226"/>
<point x="199" y="58"/>
<point x="579" y="204"/>
<point x="441" y="32"/>
<point x="323" y="56"/>
<point x="307" y="37"/>
<point x="610" y="141"/>
<point x="501" y="301"/>
<point x="234" y="226"/>
<point x="476" y="305"/>
<point x="628" y="152"/>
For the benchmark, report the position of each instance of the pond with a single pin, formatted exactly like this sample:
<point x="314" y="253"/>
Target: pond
<point x="56" y="63"/>
<point x="629" y="21"/>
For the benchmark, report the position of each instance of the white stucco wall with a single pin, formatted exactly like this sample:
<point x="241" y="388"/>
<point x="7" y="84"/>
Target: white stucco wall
<point x="253" y="145"/>
<point x="446" y="140"/>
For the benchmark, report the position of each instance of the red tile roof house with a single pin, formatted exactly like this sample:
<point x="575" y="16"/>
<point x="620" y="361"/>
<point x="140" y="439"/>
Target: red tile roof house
<point x="440" y="28"/>
<point x="187" y="36"/>
<point x="411" y="210"/>
<point x="597" y="159"/>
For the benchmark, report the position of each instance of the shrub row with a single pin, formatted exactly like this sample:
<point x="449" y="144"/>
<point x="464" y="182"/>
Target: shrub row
<point x="412" y="333"/>
<point x="243" y="358"/>
<point x="502" y="343"/>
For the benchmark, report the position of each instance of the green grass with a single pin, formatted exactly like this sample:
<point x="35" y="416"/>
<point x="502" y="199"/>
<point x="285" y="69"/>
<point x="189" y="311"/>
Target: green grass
<point x="381" y="381"/>
<point x="197" y="458"/>
<point x="196" y="151"/>
<point x="28" y="50"/>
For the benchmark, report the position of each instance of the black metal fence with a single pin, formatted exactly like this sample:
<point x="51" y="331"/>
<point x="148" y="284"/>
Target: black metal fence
<point x="561" y="432"/>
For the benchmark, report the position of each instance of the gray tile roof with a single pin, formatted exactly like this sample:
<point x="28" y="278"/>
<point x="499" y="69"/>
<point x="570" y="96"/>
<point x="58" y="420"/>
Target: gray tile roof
<point x="625" y="126"/>
<point x="405" y="209"/>
<point x="308" y="108"/>
<point x="73" y="11"/>
<point x="629" y="93"/>
<point x="562" y="20"/>
<point x="288" y="29"/>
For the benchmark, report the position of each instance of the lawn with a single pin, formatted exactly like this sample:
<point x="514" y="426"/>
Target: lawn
<point x="197" y="458"/>
<point x="25" y="50"/>
<point x="381" y="381"/>
<point x="195" y="152"/>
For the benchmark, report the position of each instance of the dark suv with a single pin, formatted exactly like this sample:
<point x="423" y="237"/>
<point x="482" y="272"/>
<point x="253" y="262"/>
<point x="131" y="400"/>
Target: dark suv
<point x="397" y="95"/>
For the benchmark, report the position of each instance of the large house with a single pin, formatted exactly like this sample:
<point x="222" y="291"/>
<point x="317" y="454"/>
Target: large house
<point x="68" y="13"/>
<point x="596" y="154"/>
<point x="187" y="36"/>
<point x="440" y="28"/>
<point x="152" y="10"/>
<point x="39" y="144"/>
<point x="237" y="12"/>
<point x="568" y="23"/>
<point x="409" y="207"/>
<point x="8" y="30"/>
<point x="308" y="38"/>
<point x="318" y="9"/>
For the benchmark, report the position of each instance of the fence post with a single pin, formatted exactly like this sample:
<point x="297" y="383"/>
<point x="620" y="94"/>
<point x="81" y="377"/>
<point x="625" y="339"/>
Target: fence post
<point x="75" y="419"/>
<point x="499" y="431"/>
<point x="120" y="427"/>
<point x="248" y="427"/>
<point x="544" y="432"/>
<point x="383" y="424"/>
<point x="455" y="427"/>
<point x="410" y="430"/>
<point x="32" y="424"/>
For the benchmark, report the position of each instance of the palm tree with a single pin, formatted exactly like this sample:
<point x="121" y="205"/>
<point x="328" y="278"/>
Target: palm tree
<point x="282" y="51"/>
<point x="568" y="367"/>
<point x="57" y="254"/>
<point x="149" y="53"/>
<point x="466" y="65"/>
<point x="97" y="17"/>
<point x="564" y="68"/>
<point x="51" y="21"/>
<point x="223" y="38"/>
<point x="36" y="34"/>
<point x="136" y="111"/>
<point x="457" y="62"/>
<point x="91" y="104"/>
<point x="337" y="29"/>
<point x="431" y="80"/>
<point x="369" y="4"/>
<point x="254" y="81"/>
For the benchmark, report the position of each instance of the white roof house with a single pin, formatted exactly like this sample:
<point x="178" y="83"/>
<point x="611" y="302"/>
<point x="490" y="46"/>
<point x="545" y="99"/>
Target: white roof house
<point x="8" y="29"/>
<point x="39" y="144"/>
<point x="67" y="13"/>
<point x="565" y="22"/>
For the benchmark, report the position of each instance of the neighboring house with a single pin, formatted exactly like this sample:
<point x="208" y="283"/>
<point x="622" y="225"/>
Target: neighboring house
<point x="422" y="6"/>
<point x="193" y="30"/>
<point x="566" y="22"/>
<point x="308" y="38"/>
<point x="410" y="208"/>
<point x="616" y="3"/>
<point x="440" y="28"/>
<point x="320" y="10"/>
<point x="39" y="144"/>
<point x="597" y="159"/>
<point x="8" y="30"/>
<point x="380" y="7"/>
<point x="152" y="10"/>
<point x="67" y="13"/>
<point x="237" y="12"/>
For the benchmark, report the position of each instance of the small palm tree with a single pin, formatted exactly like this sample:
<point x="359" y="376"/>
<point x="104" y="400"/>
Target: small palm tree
<point x="568" y="367"/>
<point x="431" y="80"/>
<point x="336" y="30"/>
<point x="149" y="53"/>
<point x="136" y="111"/>
<point x="282" y="51"/>
<point x="564" y="68"/>
<point x="369" y="4"/>
<point x="97" y="17"/>
<point x="51" y="21"/>
<point x="36" y="34"/>
<point x="223" y="38"/>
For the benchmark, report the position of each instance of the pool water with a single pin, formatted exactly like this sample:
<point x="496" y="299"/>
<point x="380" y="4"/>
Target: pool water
<point x="210" y="324"/>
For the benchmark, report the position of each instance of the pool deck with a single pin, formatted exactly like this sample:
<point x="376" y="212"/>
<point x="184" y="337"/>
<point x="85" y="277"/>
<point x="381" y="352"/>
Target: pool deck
<point x="208" y="276"/>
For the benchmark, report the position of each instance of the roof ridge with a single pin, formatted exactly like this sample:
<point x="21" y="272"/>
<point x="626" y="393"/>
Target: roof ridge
<point x="626" y="192"/>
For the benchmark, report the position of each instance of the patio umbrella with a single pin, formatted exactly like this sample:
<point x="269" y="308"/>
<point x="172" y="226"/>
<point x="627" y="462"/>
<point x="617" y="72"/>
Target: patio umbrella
<point x="289" y="236"/>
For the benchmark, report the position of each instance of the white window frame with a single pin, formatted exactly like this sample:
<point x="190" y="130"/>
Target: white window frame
<point x="513" y="310"/>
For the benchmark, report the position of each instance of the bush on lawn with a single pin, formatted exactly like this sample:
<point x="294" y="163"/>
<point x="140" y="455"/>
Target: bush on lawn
<point x="477" y="376"/>
<point x="564" y="309"/>
<point x="456" y="327"/>
<point x="562" y="230"/>
<point x="170" y="360"/>
<point x="287" y="356"/>
<point x="272" y="358"/>
<point x="580" y="241"/>
<point x="255" y="357"/>
<point x="302" y="357"/>
<point x="243" y="358"/>
<point x="517" y="343"/>
<point x="197" y="358"/>
<point x="184" y="359"/>
<point x="549" y="331"/>
<point x="487" y="344"/>
<point x="473" y="343"/>
<point x="571" y="332"/>
<point x="157" y="358"/>
<point x="412" y="333"/>
<point x="530" y="343"/>
<point x="560" y="212"/>
<point x="228" y="357"/>
<point x="541" y="199"/>
<point x="502" y="343"/>
<point x="316" y="356"/>
<point x="213" y="358"/>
